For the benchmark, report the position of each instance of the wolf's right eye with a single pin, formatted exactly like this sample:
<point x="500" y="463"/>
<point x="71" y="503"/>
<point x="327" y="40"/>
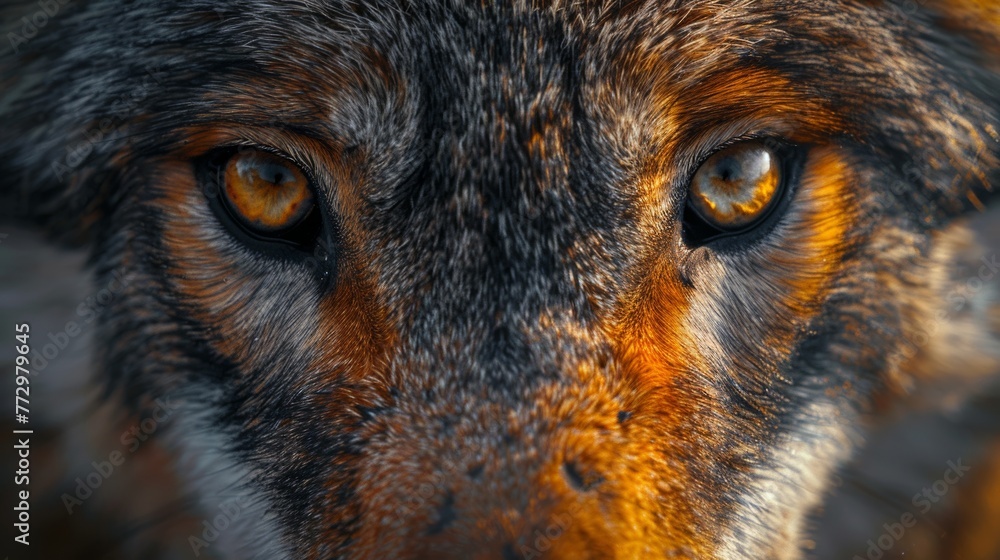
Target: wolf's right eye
<point x="263" y="197"/>
<point x="736" y="186"/>
<point x="265" y="192"/>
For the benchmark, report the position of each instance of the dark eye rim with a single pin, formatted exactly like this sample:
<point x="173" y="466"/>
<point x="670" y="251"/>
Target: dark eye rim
<point x="697" y="232"/>
<point x="297" y="242"/>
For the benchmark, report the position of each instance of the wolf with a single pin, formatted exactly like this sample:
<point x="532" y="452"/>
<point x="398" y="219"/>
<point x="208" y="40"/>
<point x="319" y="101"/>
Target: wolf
<point x="529" y="279"/>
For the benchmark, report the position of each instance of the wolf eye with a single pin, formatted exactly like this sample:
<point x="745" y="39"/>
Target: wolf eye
<point x="734" y="189"/>
<point x="263" y="199"/>
<point x="266" y="193"/>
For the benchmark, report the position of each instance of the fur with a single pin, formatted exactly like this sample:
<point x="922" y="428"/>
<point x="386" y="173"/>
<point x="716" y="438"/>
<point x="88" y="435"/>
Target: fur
<point x="503" y="315"/>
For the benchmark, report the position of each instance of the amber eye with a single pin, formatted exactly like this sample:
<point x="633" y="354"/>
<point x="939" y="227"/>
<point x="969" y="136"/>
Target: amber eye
<point x="736" y="187"/>
<point x="265" y="192"/>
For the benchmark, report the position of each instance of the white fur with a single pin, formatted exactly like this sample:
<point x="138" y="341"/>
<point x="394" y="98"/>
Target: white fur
<point x="769" y="520"/>
<point x="217" y="477"/>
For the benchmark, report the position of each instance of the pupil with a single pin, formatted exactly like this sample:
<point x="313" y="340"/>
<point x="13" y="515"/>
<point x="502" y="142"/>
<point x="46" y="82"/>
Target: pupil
<point x="272" y="173"/>
<point x="728" y="170"/>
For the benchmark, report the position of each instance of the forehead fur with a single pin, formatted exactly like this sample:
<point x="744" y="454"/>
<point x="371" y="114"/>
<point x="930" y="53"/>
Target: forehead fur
<point x="888" y="59"/>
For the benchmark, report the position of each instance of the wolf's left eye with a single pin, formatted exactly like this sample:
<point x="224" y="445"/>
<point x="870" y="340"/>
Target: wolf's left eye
<point x="735" y="188"/>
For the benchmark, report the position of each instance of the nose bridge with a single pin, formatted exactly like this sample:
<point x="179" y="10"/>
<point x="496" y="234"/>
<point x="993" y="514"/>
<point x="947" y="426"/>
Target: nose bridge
<point x="506" y="354"/>
<point x="505" y="435"/>
<point x="495" y="216"/>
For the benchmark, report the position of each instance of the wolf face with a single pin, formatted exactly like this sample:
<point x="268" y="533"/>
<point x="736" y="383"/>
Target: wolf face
<point x="428" y="280"/>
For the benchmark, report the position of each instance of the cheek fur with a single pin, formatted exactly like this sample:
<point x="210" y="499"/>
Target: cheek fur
<point x="750" y="309"/>
<point x="248" y="309"/>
